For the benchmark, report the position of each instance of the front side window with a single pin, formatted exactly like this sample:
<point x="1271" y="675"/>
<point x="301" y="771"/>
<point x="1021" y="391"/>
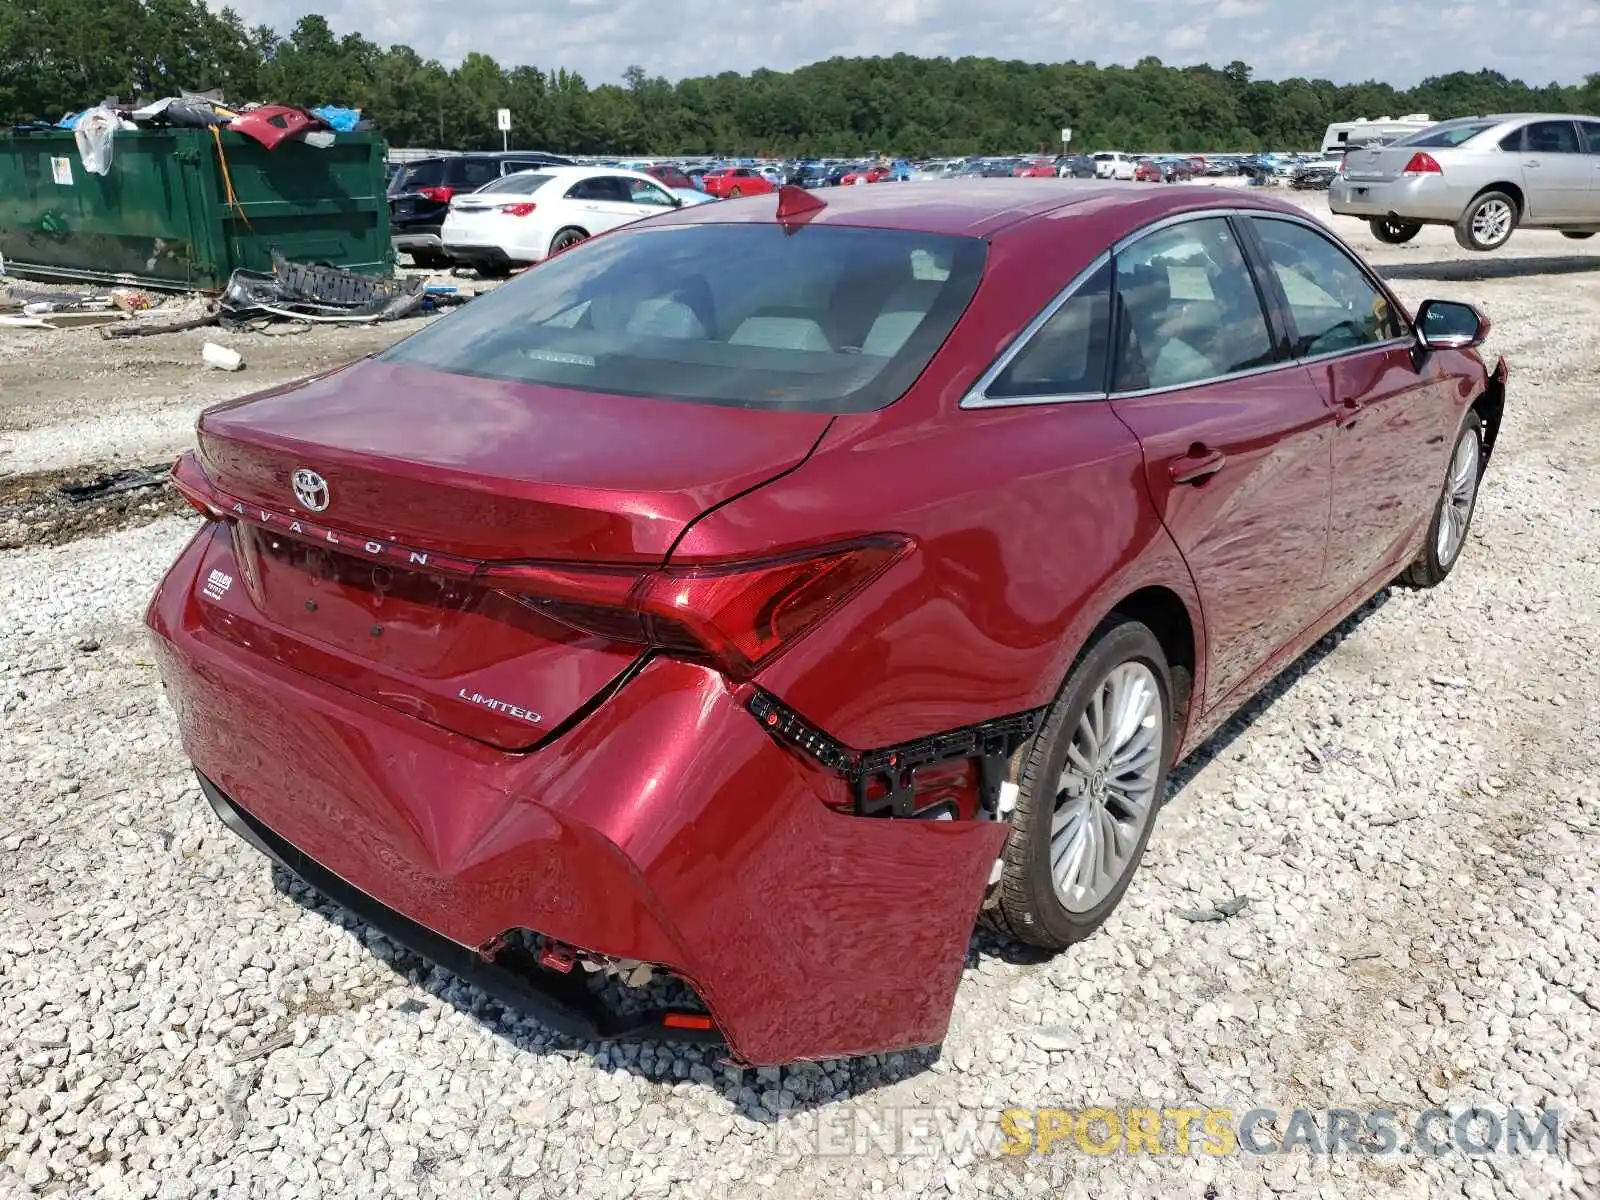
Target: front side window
<point x="642" y="191"/>
<point x="1188" y="308"/>
<point x="1333" y="304"/>
<point x="828" y="319"/>
<point x="1067" y="356"/>
<point x="1591" y="135"/>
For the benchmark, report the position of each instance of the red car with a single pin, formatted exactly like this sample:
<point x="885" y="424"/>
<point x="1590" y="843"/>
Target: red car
<point x="1039" y="168"/>
<point x="874" y="174"/>
<point x="731" y="182"/>
<point x="1147" y="170"/>
<point x="758" y="593"/>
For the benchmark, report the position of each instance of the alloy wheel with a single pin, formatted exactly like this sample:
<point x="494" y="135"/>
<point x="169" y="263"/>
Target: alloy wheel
<point x="1460" y="494"/>
<point x="1107" y="791"/>
<point x="1491" y="224"/>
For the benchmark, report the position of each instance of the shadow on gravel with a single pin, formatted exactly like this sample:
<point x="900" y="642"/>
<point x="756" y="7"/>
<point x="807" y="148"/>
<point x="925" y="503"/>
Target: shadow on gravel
<point x="761" y="1095"/>
<point x="1235" y="725"/>
<point x="1469" y="270"/>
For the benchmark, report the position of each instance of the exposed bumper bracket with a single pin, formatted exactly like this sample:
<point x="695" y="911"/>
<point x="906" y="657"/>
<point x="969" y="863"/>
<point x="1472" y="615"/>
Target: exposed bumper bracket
<point x="990" y="744"/>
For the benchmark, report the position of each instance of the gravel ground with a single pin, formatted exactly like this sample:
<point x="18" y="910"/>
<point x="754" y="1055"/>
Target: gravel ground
<point x="1412" y="817"/>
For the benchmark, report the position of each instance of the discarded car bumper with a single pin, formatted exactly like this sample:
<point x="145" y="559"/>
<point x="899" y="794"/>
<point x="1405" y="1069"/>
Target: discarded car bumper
<point x="664" y="826"/>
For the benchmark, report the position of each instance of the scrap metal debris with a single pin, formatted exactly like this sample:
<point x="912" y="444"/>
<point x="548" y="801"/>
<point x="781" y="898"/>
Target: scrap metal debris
<point x="109" y="483"/>
<point x="297" y="292"/>
<point x="1219" y="911"/>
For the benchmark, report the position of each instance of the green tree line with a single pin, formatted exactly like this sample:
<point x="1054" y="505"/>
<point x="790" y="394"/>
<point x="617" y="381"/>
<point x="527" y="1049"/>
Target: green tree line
<point x="59" y="56"/>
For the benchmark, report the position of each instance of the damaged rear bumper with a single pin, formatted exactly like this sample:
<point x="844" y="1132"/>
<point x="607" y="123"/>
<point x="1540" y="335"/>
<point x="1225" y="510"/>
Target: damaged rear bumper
<point x="666" y="827"/>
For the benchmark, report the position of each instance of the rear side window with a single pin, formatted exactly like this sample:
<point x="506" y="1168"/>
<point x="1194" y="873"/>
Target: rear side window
<point x="1067" y="357"/>
<point x="1544" y="137"/>
<point x="473" y="172"/>
<point x="825" y="319"/>
<point x="523" y="183"/>
<point x="1188" y="309"/>
<point x="1332" y="302"/>
<point x="608" y="188"/>
<point x="1591" y="135"/>
<point x="1452" y="135"/>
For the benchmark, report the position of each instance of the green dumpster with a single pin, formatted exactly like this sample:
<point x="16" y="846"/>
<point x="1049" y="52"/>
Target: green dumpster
<point x="163" y="216"/>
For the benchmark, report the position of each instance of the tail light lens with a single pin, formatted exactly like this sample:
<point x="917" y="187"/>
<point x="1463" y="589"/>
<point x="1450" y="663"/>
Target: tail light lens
<point x="738" y="616"/>
<point x="1423" y="164"/>
<point x="518" y="210"/>
<point x="439" y="195"/>
<point x="193" y="485"/>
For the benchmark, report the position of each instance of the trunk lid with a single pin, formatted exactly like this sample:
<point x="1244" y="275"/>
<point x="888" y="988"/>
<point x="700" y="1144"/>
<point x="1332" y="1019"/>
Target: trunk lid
<point x="366" y="581"/>
<point x="1377" y="164"/>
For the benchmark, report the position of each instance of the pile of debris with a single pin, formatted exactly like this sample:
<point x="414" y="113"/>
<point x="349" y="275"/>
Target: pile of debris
<point x="253" y="300"/>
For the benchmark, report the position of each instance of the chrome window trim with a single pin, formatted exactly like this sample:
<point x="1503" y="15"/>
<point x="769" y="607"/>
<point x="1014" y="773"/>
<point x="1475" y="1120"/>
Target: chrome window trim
<point x="977" y="395"/>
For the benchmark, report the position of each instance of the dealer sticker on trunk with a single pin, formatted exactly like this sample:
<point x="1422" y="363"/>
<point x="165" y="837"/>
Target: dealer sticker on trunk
<point x="217" y="585"/>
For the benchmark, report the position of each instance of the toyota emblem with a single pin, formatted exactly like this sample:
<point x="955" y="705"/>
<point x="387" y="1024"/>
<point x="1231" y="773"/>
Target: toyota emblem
<point x="310" y="489"/>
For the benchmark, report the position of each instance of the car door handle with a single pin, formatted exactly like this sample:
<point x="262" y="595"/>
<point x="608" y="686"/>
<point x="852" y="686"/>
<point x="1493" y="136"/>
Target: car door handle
<point x="1532" y="162"/>
<point x="1349" y="409"/>
<point x="1197" y="466"/>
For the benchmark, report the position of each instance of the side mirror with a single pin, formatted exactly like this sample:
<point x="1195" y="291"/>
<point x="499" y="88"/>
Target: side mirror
<point x="1450" y="325"/>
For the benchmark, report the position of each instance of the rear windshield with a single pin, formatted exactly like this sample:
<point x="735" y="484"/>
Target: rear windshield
<point x="670" y="176"/>
<point x="427" y="173"/>
<point x="825" y="319"/>
<point x="523" y="182"/>
<point x="1452" y="135"/>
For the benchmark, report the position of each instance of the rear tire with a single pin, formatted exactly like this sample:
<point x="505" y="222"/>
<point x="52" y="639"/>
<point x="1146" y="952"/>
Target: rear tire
<point x="1488" y="222"/>
<point x="1577" y="235"/>
<point x="735" y="192"/>
<point x="1458" y="500"/>
<point x="567" y="238"/>
<point x="1392" y="231"/>
<point x="495" y="270"/>
<point x="1104" y="799"/>
<point x="429" y="260"/>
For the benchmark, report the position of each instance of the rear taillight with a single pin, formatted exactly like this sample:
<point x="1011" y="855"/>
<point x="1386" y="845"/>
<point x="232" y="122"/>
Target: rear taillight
<point x="738" y="616"/>
<point x="439" y="195"/>
<point x="193" y="485"/>
<point x="518" y="210"/>
<point x="1422" y="164"/>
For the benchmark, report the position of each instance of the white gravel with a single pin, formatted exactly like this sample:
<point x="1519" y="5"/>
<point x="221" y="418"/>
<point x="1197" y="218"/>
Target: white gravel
<point x="1413" y="817"/>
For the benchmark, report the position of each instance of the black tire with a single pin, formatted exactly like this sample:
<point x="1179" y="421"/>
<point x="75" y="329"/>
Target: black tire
<point x="1392" y="231"/>
<point x="567" y="238"/>
<point x="1577" y="235"/>
<point x="735" y="192"/>
<point x="1026" y="905"/>
<point x="429" y="260"/>
<point x="1470" y="237"/>
<point x="492" y="270"/>
<point x="1430" y="568"/>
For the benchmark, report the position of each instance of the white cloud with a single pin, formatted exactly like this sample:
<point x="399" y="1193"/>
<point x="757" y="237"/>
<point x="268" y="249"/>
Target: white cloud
<point x="1536" y="40"/>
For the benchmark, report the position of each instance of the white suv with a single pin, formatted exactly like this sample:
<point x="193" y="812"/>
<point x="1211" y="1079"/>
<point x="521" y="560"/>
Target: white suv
<point x="1113" y="164"/>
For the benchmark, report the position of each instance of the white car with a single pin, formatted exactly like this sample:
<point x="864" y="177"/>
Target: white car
<point x="1112" y="164"/>
<point x="522" y="218"/>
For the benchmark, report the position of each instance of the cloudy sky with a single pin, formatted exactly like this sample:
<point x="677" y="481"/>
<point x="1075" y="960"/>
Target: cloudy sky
<point x="1398" y="41"/>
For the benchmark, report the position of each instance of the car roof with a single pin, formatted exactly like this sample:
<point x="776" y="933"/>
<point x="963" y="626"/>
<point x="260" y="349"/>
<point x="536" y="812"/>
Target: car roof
<point x="984" y="207"/>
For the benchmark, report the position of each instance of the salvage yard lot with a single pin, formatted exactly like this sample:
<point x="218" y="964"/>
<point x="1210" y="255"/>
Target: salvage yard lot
<point x="1412" y="816"/>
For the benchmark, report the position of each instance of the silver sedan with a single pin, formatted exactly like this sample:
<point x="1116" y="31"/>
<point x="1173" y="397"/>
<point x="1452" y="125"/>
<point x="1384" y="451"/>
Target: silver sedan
<point x="1486" y="176"/>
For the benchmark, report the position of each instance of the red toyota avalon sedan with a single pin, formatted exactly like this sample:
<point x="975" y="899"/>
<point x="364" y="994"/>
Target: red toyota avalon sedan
<point x="754" y="596"/>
